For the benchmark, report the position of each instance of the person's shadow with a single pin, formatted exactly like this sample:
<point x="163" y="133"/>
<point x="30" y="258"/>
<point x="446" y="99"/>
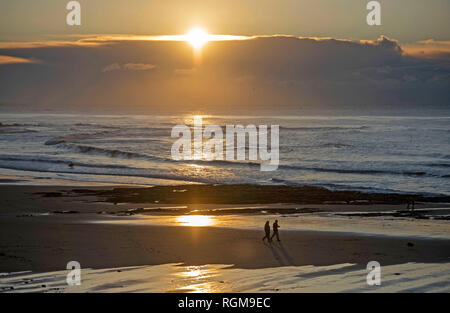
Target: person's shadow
<point x="275" y="254"/>
<point x="286" y="255"/>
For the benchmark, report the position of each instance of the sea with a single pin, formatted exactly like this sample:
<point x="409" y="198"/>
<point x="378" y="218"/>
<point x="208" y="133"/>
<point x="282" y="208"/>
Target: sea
<point x="366" y="153"/>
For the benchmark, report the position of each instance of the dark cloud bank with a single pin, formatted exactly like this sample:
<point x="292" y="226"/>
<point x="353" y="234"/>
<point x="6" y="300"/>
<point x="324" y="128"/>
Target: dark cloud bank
<point x="263" y="75"/>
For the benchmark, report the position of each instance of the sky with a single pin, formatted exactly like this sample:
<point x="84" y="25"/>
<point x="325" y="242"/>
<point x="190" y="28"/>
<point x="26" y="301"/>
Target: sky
<point x="405" y="20"/>
<point x="300" y="56"/>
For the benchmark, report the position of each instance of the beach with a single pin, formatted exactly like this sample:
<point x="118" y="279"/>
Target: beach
<point x="222" y="147"/>
<point x="42" y="228"/>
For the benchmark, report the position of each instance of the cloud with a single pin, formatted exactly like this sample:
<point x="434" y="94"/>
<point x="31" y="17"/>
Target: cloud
<point x="51" y="44"/>
<point x="429" y="49"/>
<point x="111" y="67"/>
<point x="103" y="39"/>
<point x="138" y="66"/>
<point x="384" y="42"/>
<point x="5" y="59"/>
<point x="256" y="75"/>
<point x="128" y="67"/>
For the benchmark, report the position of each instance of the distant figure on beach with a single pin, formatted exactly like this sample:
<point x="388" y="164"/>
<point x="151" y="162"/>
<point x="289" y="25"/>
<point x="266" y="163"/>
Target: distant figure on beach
<point x="267" y="231"/>
<point x="412" y="203"/>
<point x="275" y="230"/>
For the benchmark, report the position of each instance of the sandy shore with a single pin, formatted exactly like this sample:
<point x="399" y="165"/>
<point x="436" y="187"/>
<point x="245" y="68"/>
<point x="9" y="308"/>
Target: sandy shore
<point x="408" y="277"/>
<point x="35" y="237"/>
<point x="47" y="243"/>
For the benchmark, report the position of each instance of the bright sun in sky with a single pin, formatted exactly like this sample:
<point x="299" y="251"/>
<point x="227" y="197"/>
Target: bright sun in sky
<point x="197" y="37"/>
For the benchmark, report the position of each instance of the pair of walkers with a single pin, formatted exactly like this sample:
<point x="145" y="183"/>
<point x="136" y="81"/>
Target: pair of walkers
<point x="275" y="227"/>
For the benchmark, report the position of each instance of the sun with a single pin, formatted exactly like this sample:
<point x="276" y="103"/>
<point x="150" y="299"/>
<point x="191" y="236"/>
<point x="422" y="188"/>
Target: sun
<point x="197" y="37"/>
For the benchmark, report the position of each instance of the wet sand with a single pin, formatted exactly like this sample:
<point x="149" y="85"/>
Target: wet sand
<point x="35" y="237"/>
<point x="47" y="243"/>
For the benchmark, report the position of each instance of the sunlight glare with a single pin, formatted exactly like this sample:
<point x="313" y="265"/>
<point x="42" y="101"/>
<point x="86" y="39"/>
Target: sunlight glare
<point x="197" y="37"/>
<point x="195" y="220"/>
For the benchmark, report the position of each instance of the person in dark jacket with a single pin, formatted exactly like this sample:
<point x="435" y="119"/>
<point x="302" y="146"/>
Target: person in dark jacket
<point x="275" y="230"/>
<point x="267" y="231"/>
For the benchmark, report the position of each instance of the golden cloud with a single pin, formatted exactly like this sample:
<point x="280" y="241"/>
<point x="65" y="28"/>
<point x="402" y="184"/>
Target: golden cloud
<point x="5" y="59"/>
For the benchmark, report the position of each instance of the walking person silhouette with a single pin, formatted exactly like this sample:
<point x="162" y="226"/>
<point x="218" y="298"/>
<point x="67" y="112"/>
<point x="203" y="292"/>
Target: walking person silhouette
<point x="267" y="231"/>
<point x="275" y="230"/>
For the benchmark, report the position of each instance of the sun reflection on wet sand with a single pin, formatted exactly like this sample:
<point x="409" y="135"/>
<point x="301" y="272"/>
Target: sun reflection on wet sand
<point x="195" y="220"/>
<point x="199" y="279"/>
<point x="197" y="288"/>
<point x="192" y="271"/>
